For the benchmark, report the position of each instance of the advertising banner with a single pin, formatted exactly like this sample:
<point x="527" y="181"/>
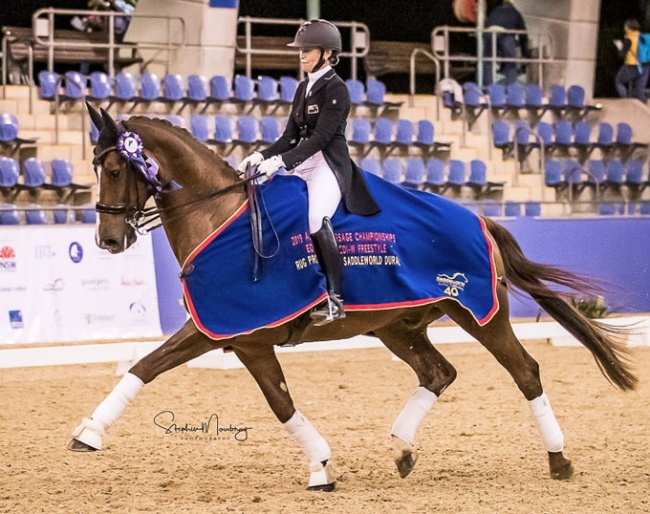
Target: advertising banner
<point x="56" y="285"/>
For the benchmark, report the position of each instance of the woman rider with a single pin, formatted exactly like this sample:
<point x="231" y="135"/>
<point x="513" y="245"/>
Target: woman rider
<point x="313" y="147"/>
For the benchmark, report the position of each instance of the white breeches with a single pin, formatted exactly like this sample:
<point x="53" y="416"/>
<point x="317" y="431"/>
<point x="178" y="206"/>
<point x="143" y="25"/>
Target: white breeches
<point x="323" y="189"/>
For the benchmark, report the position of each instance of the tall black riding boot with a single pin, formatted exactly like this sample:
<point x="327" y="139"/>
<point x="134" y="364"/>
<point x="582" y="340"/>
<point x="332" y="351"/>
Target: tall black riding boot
<point x="327" y="251"/>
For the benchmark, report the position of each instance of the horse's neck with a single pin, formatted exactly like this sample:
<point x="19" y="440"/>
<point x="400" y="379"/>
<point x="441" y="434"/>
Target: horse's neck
<point x="196" y="210"/>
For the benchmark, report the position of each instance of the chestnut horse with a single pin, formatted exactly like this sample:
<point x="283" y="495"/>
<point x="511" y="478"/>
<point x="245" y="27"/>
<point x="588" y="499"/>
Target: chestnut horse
<point x="196" y="191"/>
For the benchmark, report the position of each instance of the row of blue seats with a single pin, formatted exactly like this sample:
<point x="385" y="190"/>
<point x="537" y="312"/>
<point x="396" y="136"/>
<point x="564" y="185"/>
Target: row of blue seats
<point x="596" y="173"/>
<point x="389" y="136"/>
<point x="433" y="174"/>
<point x="34" y="214"/>
<point x="195" y="90"/>
<point x="35" y="178"/>
<point x="471" y="100"/>
<point x="564" y="135"/>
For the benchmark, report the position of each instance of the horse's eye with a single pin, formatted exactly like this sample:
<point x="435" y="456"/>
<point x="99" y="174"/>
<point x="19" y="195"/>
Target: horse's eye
<point x="114" y="173"/>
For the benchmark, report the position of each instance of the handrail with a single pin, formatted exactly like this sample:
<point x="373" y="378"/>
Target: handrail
<point x="542" y="155"/>
<point x="355" y="26"/>
<point x="442" y="50"/>
<point x="436" y="62"/>
<point x="112" y="45"/>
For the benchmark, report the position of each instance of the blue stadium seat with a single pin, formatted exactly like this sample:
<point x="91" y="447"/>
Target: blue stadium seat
<point x="177" y="120"/>
<point x="125" y="89"/>
<point x="515" y="96"/>
<point x="10" y="142"/>
<point x="35" y="215"/>
<point x="267" y="92"/>
<point x="511" y="208"/>
<point x="478" y="181"/>
<point x="614" y="174"/>
<point x="357" y="91"/>
<point x="62" y="180"/>
<point x="490" y="208"/>
<point x="376" y="96"/>
<point x="34" y="176"/>
<point x="9" y="214"/>
<point x="474" y="101"/>
<point x="270" y="130"/>
<point x="501" y="138"/>
<point x="425" y="138"/>
<point x="200" y="127"/>
<point x="435" y="180"/>
<point x="557" y="99"/>
<point x="624" y="143"/>
<point x="49" y="83"/>
<point x="605" y="139"/>
<point x="533" y="208"/>
<point x="197" y="91"/>
<point x="554" y="175"/>
<point x="88" y="214"/>
<point x="457" y="174"/>
<point x="244" y="90"/>
<point x="497" y="97"/>
<point x="247" y="128"/>
<point x="288" y="86"/>
<point x="173" y="88"/>
<point x="393" y="170"/>
<point x="223" y="130"/>
<point x="382" y="137"/>
<point x="563" y="140"/>
<point x="403" y="136"/>
<point x="576" y="102"/>
<point x="415" y="173"/>
<point x="360" y="136"/>
<point x="582" y="139"/>
<point x="9" y="173"/>
<point x="63" y="215"/>
<point x="535" y="101"/>
<point x="220" y="91"/>
<point x="371" y="165"/>
<point x="100" y="88"/>
<point x="75" y="87"/>
<point x="634" y="179"/>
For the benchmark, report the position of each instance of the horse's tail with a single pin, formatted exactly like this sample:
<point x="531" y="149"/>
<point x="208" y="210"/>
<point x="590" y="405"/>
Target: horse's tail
<point x="603" y="341"/>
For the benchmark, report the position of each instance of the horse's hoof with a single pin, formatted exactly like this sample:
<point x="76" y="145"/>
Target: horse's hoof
<point x="77" y="446"/>
<point x="561" y="467"/>
<point x="405" y="456"/>
<point x="322" y="477"/>
<point x="87" y="437"/>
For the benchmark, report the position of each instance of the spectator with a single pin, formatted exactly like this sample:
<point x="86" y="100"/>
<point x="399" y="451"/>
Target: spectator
<point x="632" y="77"/>
<point x="504" y="16"/>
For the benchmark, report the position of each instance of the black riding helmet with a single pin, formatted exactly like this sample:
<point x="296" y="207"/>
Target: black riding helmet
<point x="319" y="34"/>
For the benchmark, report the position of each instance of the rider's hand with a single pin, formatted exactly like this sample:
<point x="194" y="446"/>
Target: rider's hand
<point x="271" y="165"/>
<point x="253" y="159"/>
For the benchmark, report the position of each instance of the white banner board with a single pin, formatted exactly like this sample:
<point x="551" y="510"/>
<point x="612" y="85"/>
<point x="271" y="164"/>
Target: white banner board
<point x="56" y="285"/>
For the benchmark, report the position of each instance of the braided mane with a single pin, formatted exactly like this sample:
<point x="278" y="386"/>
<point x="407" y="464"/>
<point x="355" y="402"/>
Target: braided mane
<point x="184" y="134"/>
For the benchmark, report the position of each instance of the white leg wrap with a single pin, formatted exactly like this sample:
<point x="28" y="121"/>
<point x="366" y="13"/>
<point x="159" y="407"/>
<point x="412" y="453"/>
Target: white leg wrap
<point x="304" y="433"/>
<point x="546" y="424"/>
<point x="122" y="395"/>
<point x="413" y="413"/>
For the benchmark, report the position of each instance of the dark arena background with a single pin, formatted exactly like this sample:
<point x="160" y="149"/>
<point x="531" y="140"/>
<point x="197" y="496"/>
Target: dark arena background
<point x="559" y="158"/>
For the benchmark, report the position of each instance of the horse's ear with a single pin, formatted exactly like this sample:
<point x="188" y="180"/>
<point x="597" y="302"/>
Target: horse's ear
<point x="109" y="122"/>
<point x="95" y="117"/>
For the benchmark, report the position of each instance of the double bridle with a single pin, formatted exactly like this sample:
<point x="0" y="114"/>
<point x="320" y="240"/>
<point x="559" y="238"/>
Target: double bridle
<point x="141" y="220"/>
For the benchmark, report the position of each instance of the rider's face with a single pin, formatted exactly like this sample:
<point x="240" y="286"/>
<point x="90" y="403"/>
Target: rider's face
<point x="309" y="58"/>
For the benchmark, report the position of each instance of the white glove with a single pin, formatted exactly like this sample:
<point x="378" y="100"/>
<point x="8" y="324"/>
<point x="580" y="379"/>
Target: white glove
<point x="253" y="159"/>
<point x="271" y="165"/>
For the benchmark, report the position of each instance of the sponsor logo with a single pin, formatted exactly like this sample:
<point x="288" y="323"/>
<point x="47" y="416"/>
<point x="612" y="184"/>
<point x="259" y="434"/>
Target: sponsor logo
<point x="16" y="319"/>
<point x="99" y="319"/>
<point x="312" y="109"/>
<point x="42" y="252"/>
<point x="95" y="283"/>
<point x="137" y="310"/>
<point x="126" y="282"/>
<point x="7" y="259"/>
<point x="454" y="284"/>
<point x="56" y="285"/>
<point x="76" y="252"/>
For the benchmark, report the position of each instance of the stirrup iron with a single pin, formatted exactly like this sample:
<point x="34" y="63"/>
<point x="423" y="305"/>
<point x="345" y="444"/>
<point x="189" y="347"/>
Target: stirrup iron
<point x="333" y="310"/>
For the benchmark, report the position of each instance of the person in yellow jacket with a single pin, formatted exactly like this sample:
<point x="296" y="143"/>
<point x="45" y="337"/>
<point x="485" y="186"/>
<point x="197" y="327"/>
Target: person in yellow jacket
<point x="632" y="78"/>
